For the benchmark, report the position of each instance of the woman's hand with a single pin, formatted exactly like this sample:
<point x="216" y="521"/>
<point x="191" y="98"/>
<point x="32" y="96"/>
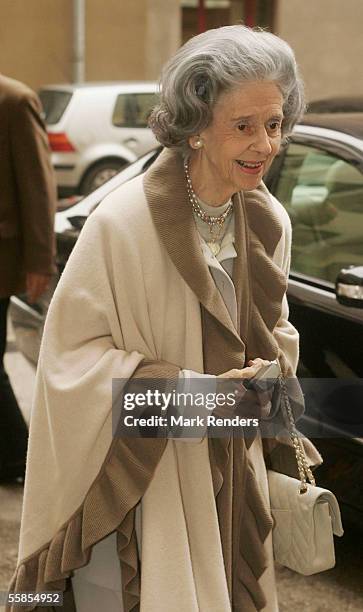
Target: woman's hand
<point x="249" y="372"/>
<point x="255" y="403"/>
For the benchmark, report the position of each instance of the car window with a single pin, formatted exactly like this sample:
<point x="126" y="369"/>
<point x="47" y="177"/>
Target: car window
<point x="323" y="195"/>
<point x="54" y="104"/>
<point x="133" y="109"/>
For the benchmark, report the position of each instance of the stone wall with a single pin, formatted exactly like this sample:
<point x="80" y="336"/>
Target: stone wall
<point x="327" y="38"/>
<point x="127" y="39"/>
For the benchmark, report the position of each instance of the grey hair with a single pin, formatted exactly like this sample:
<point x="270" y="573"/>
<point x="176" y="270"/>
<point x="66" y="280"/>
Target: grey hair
<point x="215" y="62"/>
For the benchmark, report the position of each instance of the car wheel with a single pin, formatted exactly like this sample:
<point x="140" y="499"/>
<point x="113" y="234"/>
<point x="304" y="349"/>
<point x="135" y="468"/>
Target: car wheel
<point x="100" y="174"/>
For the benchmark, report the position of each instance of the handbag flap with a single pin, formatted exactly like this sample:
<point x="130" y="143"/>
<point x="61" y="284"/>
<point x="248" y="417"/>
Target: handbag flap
<point x="284" y="489"/>
<point x="319" y="496"/>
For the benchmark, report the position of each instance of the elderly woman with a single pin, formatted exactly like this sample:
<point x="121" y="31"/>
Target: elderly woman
<point x="181" y="272"/>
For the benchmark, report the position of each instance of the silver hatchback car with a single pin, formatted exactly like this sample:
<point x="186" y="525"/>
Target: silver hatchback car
<point x="95" y="129"/>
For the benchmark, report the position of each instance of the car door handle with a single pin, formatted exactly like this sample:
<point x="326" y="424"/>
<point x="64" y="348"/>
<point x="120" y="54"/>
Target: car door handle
<point x="130" y="142"/>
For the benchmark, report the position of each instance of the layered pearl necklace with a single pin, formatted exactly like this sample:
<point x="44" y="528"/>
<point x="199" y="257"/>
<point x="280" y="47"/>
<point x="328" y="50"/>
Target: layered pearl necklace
<point x="215" y="223"/>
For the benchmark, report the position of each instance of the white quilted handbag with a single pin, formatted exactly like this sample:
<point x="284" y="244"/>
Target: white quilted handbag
<point x="305" y="516"/>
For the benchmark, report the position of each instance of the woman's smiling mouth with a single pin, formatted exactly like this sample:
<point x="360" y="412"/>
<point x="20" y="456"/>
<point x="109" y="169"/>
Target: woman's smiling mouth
<point x="250" y="167"/>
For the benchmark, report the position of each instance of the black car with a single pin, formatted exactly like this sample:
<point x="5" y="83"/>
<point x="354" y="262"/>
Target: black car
<point x="337" y="104"/>
<point x="318" y="177"/>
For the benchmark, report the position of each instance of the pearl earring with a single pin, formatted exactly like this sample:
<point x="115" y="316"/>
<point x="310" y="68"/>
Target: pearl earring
<point x="198" y="143"/>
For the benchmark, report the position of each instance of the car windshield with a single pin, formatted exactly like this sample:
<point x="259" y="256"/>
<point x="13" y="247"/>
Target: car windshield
<point x="54" y="104"/>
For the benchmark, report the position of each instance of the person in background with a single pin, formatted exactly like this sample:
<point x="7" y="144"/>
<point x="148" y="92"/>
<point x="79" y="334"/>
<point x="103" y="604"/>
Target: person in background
<point x="27" y="243"/>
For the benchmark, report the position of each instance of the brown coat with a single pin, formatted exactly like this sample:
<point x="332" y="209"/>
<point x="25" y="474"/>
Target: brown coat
<point x="27" y="189"/>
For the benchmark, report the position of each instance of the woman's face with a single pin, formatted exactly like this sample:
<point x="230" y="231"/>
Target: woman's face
<point x="239" y="144"/>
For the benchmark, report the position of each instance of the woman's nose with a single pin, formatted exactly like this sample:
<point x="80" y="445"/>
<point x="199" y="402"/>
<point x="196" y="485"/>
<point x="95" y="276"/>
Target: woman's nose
<point x="261" y="143"/>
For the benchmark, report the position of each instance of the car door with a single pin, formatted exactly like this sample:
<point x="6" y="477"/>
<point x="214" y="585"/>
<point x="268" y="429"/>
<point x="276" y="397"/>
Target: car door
<point x="320" y="183"/>
<point x="321" y="186"/>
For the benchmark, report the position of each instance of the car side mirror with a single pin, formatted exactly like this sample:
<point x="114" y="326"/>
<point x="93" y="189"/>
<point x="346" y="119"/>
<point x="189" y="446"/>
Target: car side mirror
<point x="349" y="286"/>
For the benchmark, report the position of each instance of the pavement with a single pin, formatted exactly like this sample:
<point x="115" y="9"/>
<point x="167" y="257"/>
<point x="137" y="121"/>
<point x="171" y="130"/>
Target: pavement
<point x="10" y="513"/>
<point x="339" y="588"/>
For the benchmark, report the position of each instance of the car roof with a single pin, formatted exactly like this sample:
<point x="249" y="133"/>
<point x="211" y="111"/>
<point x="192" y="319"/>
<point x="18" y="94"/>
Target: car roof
<point x="127" y="86"/>
<point x="348" y="123"/>
<point x="337" y="104"/>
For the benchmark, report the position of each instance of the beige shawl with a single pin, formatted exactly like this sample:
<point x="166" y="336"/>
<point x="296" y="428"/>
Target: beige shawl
<point x="133" y="301"/>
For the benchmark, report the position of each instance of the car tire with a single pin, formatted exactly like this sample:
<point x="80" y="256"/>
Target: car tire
<point x="100" y="174"/>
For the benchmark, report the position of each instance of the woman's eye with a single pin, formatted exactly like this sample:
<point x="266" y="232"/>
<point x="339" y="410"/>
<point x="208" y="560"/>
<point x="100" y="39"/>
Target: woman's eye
<point x="242" y="127"/>
<point x="274" y="126"/>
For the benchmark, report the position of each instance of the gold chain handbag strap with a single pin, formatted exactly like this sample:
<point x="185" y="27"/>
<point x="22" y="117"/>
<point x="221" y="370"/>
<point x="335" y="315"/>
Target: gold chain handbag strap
<point x="305" y="473"/>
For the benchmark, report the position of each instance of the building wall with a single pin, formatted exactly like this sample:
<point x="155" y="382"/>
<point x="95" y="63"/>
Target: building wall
<point x="326" y="36"/>
<point x="36" y="40"/>
<point x="115" y="32"/>
<point x="163" y="34"/>
<point x="125" y="39"/>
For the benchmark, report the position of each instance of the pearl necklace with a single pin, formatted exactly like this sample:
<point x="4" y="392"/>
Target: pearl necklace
<point x="215" y="223"/>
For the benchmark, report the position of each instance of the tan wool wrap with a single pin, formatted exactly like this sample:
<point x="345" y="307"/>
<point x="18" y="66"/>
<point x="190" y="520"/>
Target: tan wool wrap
<point x="137" y="300"/>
